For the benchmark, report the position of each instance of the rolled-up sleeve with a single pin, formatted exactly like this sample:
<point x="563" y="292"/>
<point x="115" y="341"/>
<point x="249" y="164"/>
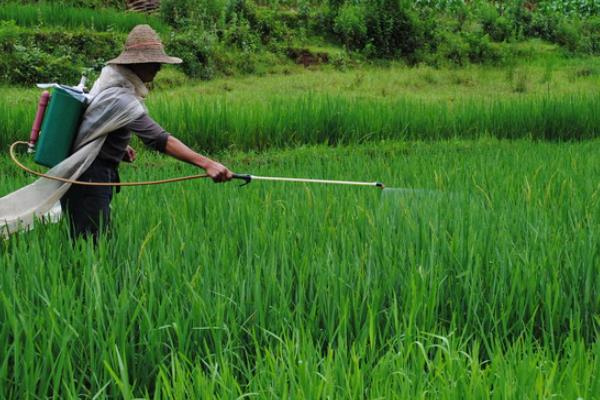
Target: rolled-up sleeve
<point x="151" y="133"/>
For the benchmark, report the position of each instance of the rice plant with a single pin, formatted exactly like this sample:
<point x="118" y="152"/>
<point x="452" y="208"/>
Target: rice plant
<point x="220" y="122"/>
<point x="487" y="290"/>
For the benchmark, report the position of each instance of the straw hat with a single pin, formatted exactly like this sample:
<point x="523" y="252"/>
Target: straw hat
<point x="144" y="46"/>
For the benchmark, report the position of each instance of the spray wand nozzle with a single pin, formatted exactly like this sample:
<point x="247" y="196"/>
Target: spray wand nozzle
<point x="245" y="177"/>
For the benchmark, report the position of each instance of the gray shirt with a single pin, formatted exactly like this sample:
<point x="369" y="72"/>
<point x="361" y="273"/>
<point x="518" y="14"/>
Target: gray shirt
<point x="153" y="135"/>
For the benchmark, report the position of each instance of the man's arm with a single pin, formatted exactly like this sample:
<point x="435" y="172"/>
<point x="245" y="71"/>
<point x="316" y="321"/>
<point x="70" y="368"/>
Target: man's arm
<point x="177" y="149"/>
<point x="155" y="137"/>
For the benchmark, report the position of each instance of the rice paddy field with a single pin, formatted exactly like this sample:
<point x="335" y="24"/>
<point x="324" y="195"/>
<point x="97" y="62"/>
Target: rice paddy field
<point x="475" y="274"/>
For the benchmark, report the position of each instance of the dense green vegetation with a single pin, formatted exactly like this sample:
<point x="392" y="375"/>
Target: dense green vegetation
<point x="52" y="55"/>
<point x="224" y="37"/>
<point x="481" y="283"/>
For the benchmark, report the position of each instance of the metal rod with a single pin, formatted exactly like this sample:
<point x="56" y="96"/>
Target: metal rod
<point x="249" y="178"/>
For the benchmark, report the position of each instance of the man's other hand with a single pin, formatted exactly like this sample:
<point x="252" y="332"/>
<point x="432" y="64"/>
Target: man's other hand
<point x="130" y="154"/>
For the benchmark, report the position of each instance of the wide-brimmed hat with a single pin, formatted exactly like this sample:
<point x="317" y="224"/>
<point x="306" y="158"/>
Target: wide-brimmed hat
<point x="144" y="46"/>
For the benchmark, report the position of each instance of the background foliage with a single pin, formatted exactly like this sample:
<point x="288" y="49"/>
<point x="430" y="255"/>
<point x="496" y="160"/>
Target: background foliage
<point x="224" y="37"/>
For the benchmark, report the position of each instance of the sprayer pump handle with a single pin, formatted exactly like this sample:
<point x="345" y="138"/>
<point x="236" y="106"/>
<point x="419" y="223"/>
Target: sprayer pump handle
<point x="245" y="177"/>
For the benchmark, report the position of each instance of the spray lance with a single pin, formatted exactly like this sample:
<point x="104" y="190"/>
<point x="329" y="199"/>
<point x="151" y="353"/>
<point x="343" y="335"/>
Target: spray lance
<point x="244" y="177"/>
<point x="250" y="178"/>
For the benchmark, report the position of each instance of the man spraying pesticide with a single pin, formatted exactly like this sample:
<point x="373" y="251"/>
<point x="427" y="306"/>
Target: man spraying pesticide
<point x="102" y="141"/>
<point x="83" y="178"/>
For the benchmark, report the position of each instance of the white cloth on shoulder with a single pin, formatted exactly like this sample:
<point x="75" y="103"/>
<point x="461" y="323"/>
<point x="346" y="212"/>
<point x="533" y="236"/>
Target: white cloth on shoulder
<point x="116" y="100"/>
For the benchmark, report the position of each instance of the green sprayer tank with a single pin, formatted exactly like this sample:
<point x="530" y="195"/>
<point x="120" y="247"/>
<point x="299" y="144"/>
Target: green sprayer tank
<point x="60" y="126"/>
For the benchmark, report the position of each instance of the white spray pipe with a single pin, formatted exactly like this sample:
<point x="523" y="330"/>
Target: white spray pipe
<point x="250" y="178"/>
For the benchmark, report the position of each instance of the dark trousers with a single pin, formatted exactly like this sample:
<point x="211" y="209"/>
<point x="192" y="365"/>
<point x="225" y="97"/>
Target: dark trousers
<point x="87" y="208"/>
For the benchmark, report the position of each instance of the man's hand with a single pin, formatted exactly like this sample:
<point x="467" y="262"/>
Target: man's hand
<point x="218" y="172"/>
<point x="130" y="154"/>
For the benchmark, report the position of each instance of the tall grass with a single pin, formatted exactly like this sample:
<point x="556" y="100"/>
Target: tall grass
<point x="488" y="290"/>
<point x="57" y="14"/>
<point x="334" y="119"/>
<point x="279" y="121"/>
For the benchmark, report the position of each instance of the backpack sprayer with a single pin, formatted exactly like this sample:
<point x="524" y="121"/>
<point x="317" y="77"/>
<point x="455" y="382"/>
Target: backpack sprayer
<point x="58" y="117"/>
<point x="56" y="124"/>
